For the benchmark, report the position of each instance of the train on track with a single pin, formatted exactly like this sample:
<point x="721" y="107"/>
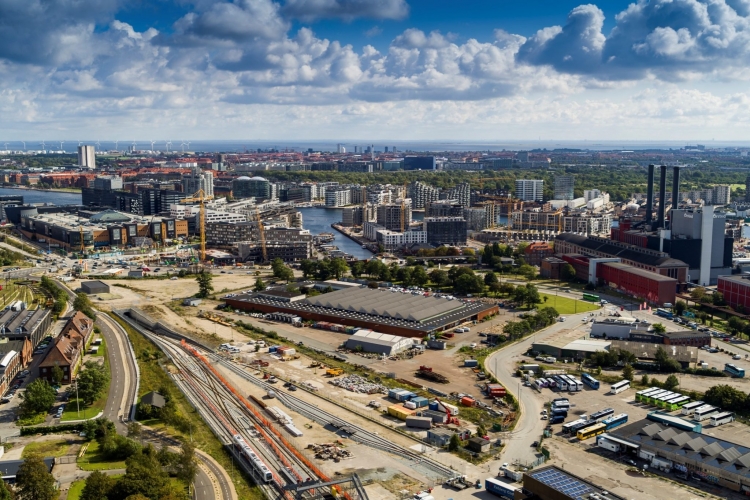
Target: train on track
<point x="252" y="459"/>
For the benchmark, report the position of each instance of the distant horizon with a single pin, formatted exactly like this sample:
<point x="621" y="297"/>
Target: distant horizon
<point x="330" y="145"/>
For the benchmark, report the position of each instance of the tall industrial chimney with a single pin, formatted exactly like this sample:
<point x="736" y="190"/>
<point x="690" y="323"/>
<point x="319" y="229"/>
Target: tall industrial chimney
<point x="650" y="195"/>
<point x="675" y="187"/>
<point x="662" y="196"/>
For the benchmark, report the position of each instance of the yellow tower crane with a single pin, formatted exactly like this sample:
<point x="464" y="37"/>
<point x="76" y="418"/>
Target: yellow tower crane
<point x="201" y="198"/>
<point x="262" y="232"/>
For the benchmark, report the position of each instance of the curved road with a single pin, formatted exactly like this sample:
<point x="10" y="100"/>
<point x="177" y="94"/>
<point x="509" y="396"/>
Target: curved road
<point x="122" y="397"/>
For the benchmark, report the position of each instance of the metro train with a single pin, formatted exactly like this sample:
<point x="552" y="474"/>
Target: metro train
<point x="252" y="459"/>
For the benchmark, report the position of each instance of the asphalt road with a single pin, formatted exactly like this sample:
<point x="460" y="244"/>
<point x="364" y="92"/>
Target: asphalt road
<point x="122" y="387"/>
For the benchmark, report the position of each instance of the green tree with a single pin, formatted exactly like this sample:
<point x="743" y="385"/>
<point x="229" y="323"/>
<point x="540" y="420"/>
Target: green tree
<point x="628" y="373"/>
<point x="735" y="325"/>
<point x="205" y="284"/>
<point x="698" y="293"/>
<point x="468" y="283"/>
<point x="144" y="475"/>
<point x="664" y="362"/>
<point x="659" y="328"/>
<point x="439" y="277"/>
<point x="134" y="429"/>
<point x="186" y="465"/>
<point x="34" y="481"/>
<point x="717" y="298"/>
<point x="357" y="268"/>
<point x="671" y="383"/>
<point x="97" y="487"/>
<point x="568" y="272"/>
<point x="490" y="278"/>
<point x="419" y="276"/>
<point x="57" y="375"/>
<point x="481" y="431"/>
<point x="339" y="267"/>
<point x="259" y="285"/>
<point x="38" y="397"/>
<point x="727" y="397"/>
<point x="644" y="380"/>
<point x="92" y="382"/>
<point x="308" y="268"/>
<point x="680" y="307"/>
<point x="455" y="443"/>
<point x="83" y="303"/>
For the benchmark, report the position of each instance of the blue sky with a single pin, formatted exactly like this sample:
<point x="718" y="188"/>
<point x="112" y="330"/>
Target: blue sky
<point x="375" y="69"/>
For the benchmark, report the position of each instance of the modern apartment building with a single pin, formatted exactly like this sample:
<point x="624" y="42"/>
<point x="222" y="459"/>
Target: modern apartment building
<point x="564" y="185"/>
<point x="445" y="230"/>
<point x="87" y="156"/>
<point x="338" y="197"/>
<point x="530" y="189"/>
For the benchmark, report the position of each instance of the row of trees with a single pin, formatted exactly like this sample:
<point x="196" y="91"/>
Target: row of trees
<point x="59" y="297"/>
<point x="326" y="269"/>
<point x="39" y="395"/>
<point x="530" y="323"/>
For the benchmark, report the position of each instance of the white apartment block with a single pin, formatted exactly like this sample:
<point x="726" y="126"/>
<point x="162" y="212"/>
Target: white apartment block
<point x="338" y="197"/>
<point x="530" y="189"/>
<point x="188" y="211"/>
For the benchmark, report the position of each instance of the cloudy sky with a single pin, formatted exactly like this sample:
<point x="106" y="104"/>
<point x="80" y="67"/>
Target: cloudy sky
<point x="485" y="70"/>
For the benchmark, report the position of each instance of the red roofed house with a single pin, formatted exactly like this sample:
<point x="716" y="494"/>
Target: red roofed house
<point x="67" y="349"/>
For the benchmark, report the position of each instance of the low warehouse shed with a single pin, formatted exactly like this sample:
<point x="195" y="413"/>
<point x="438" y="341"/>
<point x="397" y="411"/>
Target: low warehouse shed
<point x="380" y="343"/>
<point x="94" y="287"/>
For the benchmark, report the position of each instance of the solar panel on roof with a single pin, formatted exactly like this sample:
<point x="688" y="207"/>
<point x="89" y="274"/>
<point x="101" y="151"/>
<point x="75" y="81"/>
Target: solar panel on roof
<point x="563" y="483"/>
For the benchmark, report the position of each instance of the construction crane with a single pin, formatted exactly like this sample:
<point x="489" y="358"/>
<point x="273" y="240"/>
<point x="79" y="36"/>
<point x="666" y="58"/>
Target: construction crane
<point x="80" y="235"/>
<point x="262" y="232"/>
<point x="201" y="198"/>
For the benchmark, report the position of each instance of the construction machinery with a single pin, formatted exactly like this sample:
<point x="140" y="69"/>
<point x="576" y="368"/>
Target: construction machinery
<point x="262" y="233"/>
<point x="427" y="373"/>
<point x="334" y="372"/>
<point x="201" y="198"/>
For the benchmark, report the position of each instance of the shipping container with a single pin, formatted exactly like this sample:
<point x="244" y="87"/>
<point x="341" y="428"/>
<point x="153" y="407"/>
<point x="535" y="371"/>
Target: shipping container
<point x="438" y="417"/>
<point x="394" y="393"/>
<point x="273" y="348"/>
<point x="410" y="405"/>
<point x="419" y="422"/>
<point x="467" y="401"/>
<point x="400" y="412"/>
<point x="470" y="363"/>
<point x="420" y="401"/>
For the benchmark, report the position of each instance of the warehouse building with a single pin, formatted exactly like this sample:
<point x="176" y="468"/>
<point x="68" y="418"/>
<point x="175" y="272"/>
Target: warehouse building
<point x="94" y="287"/>
<point x="635" y="282"/>
<point x="578" y="349"/>
<point x="736" y="290"/>
<point x="686" y="355"/>
<point x="380" y="310"/>
<point x="379" y="343"/>
<point x="700" y="456"/>
<point x="553" y="483"/>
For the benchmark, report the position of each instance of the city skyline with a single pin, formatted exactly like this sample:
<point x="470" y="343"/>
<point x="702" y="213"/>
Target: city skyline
<point x="346" y="69"/>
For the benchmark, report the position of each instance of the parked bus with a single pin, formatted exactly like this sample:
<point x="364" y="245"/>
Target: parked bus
<point x="590" y="381"/>
<point x="664" y="313"/>
<point x="552" y="383"/>
<point x="567" y="428"/>
<point x="616" y="421"/>
<point x="562" y="384"/>
<point x="640" y="395"/>
<point x="619" y="387"/>
<point x="705" y="412"/>
<point x="690" y="408"/>
<point x="651" y="398"/>
<point x="590" y="432"/>
<point x="579" y="384"/>
<point x="590" y="297"/>
<point x="722" y="418"/>
<point x="677" y="403"/>
<point x="664" y="398"/>
<point x="734" y="370"/>
<point x="499" y="488"/>
<point x="602" y="414"/>
<point x="588" y="423"/>
<point x="572" y="383"/>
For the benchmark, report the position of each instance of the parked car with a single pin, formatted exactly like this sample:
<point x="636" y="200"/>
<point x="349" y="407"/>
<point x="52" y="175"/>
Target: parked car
<point x="736" y="356"/>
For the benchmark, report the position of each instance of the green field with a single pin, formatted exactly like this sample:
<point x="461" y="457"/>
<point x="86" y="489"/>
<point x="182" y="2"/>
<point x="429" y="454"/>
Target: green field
<point x="46" y="449"/>
<point x="71" y="411"/>
<point x="564" y="305"/>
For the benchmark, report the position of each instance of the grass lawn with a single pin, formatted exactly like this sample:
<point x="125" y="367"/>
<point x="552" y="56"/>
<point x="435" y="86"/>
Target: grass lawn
<point x="76" y="488"/>
<point x="93" y="460"/>
<point x="46" y="449"/>
<point x="564" y="305"/>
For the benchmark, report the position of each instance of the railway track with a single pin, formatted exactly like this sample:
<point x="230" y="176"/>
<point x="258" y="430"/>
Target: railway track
<point x="229" y="417"/>
<point x="355" y="432"/>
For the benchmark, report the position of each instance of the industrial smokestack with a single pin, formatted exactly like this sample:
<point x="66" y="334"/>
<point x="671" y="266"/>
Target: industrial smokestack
<point x="650" y="195"/>
<point x="675" y="187"/>
<point x="662" y="195"/>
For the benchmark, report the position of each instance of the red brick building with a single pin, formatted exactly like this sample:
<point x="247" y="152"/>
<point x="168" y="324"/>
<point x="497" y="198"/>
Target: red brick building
<point x="736" y="290"/>
<point x="67" y="350"/>
<point x="650" y="286"/>
<point x="536" y="252"/>
<point x="551" y="268"/>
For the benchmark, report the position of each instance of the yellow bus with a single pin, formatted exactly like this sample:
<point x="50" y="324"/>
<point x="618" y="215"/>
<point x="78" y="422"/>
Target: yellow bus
<point x="592" y="431"/>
